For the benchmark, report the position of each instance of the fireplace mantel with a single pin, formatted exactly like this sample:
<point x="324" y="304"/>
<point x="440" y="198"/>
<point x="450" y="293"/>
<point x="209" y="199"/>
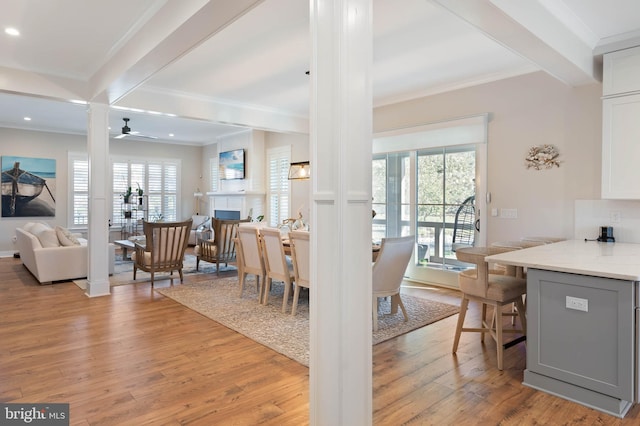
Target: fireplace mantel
<point x="242" y="201"/>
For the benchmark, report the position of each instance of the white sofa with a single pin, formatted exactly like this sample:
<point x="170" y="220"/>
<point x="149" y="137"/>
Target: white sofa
<point x="44" y="253"/>
<point x="201" y="224"/>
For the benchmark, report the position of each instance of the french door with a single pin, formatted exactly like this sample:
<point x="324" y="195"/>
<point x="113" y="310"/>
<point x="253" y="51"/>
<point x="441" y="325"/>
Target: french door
<point x="418" y="192"/>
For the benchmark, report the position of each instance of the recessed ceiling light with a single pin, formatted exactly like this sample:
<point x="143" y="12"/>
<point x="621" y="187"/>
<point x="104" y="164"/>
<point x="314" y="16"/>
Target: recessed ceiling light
<point x="12" y="31"/>
<point x="27" y="119"/>
<point x="171" y="135"/>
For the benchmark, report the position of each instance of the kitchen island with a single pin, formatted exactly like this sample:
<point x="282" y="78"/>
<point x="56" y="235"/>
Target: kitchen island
<point x="582" y="337"/>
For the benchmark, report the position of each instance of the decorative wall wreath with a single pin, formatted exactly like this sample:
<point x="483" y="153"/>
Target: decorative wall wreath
<point x="542" y="156"/>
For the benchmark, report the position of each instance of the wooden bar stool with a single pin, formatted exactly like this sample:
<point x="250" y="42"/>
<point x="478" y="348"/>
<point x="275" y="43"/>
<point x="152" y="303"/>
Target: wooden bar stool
<point x="490" y="290"/>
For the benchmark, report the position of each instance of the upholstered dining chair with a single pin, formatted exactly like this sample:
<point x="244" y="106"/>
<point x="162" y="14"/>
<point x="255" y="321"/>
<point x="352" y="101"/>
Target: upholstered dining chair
<point x="388" y="272"/>
<point x="300" y="249"/>
<point x="222" y="247"/>
<point x="163" y="250"/>
<point x="249" y="258"/>
<point x="490" y="290"/>
<point x="275" y="263"/>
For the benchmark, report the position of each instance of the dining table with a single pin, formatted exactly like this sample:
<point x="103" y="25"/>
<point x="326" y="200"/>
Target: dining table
<point x="286" y="244"/>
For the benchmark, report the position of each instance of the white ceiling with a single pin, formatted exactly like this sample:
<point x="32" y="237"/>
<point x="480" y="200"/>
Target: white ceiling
<point x="208" y="68"/>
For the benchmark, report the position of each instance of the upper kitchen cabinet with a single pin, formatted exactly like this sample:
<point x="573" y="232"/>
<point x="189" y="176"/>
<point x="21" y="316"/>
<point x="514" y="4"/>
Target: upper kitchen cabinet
<point x="621" y="72"/>
<point x="620" y="125"/>
<point x="621" y="147"/>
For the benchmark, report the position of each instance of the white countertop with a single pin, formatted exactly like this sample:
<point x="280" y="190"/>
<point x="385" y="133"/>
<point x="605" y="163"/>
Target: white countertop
<point x="609" y="260"/>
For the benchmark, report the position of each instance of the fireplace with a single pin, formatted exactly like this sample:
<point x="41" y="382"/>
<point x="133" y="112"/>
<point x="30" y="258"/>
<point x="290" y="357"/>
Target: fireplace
<point x="236" y="205"/>
<point x="226" y="214"/>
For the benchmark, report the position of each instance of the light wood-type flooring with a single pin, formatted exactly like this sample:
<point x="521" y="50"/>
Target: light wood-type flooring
<point x="138" y="358"/>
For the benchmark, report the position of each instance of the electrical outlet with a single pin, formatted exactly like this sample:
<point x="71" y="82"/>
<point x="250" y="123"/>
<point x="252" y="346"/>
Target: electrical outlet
<point x="614" y="217"/>
<point x="577" y="304"/>
<point x="509" y="213"/>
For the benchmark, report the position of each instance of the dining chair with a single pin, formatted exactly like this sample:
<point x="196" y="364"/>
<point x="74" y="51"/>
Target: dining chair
<point x="249" y="258"/>
<point x="163" y="250"/>
<point x="490" y="290"/>
<point x="275" y="263"/>
<point x="300" y="252"/>
<point x="388" y="273"/>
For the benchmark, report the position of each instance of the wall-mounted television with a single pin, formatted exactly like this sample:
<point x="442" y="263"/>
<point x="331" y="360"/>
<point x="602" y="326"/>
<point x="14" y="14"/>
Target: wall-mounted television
<point x="231" y="164"/>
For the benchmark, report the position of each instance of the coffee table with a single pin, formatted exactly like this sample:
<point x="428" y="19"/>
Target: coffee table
<point x="126" y="245"/>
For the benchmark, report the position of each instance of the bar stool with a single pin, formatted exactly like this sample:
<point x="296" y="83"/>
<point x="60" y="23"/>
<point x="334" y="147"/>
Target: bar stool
<point x="490" y="290"/>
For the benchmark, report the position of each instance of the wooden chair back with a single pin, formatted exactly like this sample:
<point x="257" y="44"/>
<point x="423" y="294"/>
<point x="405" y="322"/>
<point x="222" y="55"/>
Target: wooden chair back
<point x="222" y="249"/>
<point x="165" y="244"/>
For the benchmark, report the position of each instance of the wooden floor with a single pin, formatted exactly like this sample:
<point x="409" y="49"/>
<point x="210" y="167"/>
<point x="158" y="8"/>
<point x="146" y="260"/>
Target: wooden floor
<point x="138" y="358"/>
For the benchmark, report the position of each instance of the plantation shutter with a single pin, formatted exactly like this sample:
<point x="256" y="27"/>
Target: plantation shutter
<point x="213" y="167"/>
<point x="278" y="193"/>
<point x="170" y="192"/>
<point x="120" y="171"/>
<point x="80" y="190"/>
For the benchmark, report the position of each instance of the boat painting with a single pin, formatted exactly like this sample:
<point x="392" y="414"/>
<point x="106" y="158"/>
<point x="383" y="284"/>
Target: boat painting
<point x="27" y="186"/>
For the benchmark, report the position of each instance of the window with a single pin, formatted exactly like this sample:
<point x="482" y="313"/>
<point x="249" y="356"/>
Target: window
<point x="213" y="169"/>
<point x="79" y="194"/>
<point x="419" y="185"/>
<point x="278" y="194"/>
<point x="159" y="181"/>
<point x="445" y="179"/>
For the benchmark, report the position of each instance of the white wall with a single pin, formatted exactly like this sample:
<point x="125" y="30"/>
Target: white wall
<point x="57" y="146"/>
<point x="524" y="111"/>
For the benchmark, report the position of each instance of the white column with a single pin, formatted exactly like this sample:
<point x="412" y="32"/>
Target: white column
<point x="341" y="110"/>
<point x="98" y="150"/>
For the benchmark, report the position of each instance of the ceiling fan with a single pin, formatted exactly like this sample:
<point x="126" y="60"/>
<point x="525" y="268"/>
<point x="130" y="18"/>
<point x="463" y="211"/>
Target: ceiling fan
<point x="126" y="131"/>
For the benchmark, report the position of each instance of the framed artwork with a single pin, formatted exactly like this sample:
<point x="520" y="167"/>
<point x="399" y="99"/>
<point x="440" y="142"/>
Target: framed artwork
<point x="28" y="186"/>
<point x="231" y="164"/>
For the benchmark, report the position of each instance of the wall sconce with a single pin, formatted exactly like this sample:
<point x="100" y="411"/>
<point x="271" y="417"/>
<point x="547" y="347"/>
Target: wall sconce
<point x="299" y="170"/>
<point x="197" y="195"/>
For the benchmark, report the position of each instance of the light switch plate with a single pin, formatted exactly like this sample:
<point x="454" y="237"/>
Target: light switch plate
<point x="509" y="213"/>
<point x="577" y="304"/>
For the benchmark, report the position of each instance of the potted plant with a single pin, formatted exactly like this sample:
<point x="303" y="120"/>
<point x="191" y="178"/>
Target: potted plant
<point x="127" y="195"/>
<point x="140" y="192"/>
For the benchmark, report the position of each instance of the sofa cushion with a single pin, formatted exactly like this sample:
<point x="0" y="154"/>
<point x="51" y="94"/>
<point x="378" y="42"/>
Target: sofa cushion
<point x="36" y="227"/>
<point x="65" y="237"/>
<point x="28" y="226"/>
<point x="48" y="237"/>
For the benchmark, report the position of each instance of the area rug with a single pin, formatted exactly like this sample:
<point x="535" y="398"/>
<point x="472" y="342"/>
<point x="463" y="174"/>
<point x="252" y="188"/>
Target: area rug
<point x="218" y="300"/>
<point x="123" y="272"/>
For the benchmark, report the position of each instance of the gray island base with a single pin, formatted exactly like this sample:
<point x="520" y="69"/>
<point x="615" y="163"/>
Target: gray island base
<point x="582" y="336"/>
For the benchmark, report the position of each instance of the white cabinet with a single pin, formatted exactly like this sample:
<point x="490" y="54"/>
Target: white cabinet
<point x="621" y="147"/>
<point x="620" y="125"/>
<point x="621" y="72"/>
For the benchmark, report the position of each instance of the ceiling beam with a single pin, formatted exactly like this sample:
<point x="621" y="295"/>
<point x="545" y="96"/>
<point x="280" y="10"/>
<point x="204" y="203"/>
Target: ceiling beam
<point x="530" y="30"/>
<point x="31" y="83"/>
<point x="206" y="109"/>
<point x="171" y="33"/>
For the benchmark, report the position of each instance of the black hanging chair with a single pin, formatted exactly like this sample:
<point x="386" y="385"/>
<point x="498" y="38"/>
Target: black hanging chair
<point x="465" y="225"/>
